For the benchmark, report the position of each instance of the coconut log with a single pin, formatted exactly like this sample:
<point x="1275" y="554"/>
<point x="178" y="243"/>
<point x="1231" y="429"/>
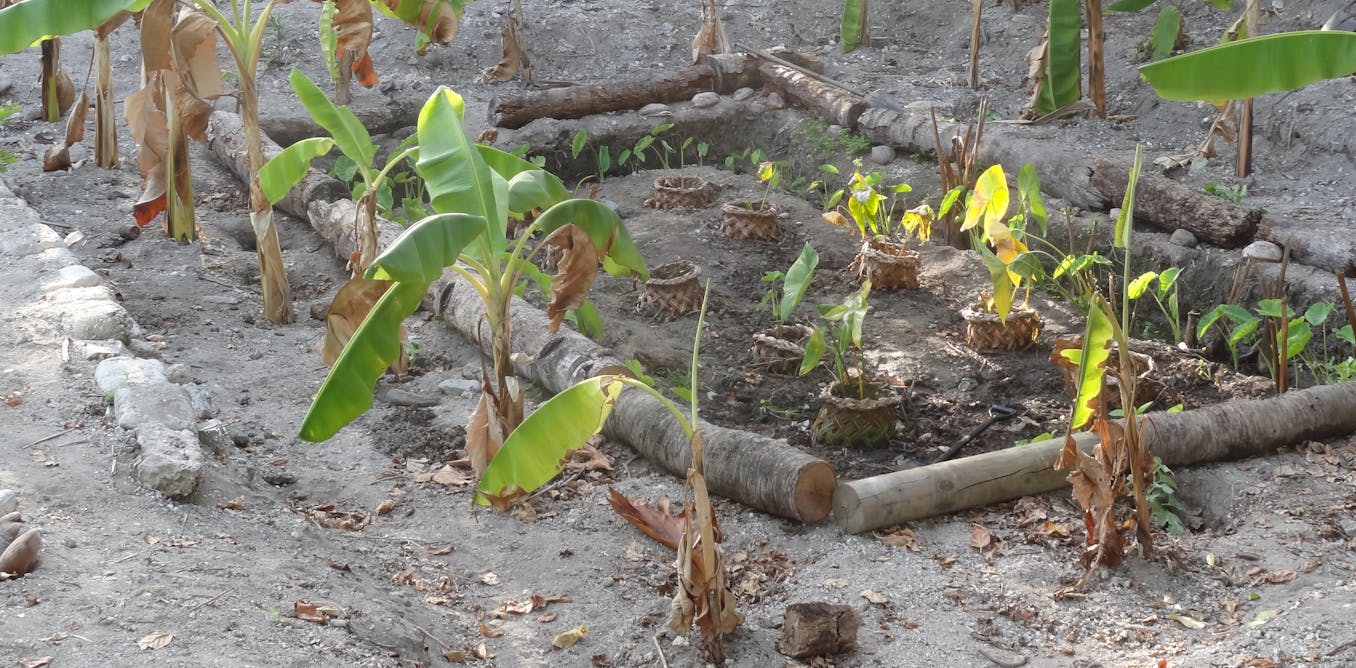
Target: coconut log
<point x="1326" y="244"/>
<point x="1227" y="431"/>
<point x="833" y="102"/>
<point x="762" y="473"/>
<point x="226" y="140"/>
<point x="1169" y="205"/>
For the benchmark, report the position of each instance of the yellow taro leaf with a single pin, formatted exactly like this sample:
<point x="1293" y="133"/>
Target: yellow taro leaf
<point x="347" y="311"/>
<point x="353" y="34"/>
<point x="989" y="202"/>
<point x="1007" y="247"/>
<point x="574" y="274"/>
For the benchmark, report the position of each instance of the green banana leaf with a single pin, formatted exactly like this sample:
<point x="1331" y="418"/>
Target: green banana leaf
<point x="348" y="132"/>
<point x="457" y="177"/>
<point x="285" y="170"/>
<point x="850" y="31"/>
<point x="1091" y="361"/>
<point x="1256" y="66"/>
<point x="1064" y="75"/>
<point x="413" y="261"/>
<point x="532" y="454"/>
<point x="1128" y="5"/>
<point x="535" y="189"/>
<point x="797" y="281"/>
<point x="1125" y="222"/>
<point x="27" y="23"/>
<point x="603" y="226"/>
<point x="1163" y="36"/>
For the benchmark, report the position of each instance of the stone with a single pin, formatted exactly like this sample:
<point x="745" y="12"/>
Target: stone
<point x="102" y="350"/>
<point x="775" y="101"/>
<point x="818" y="629"/>
<point x="742" y="94"/>
<point x="705" y="100"/>
<point x="1183" y="238"/>
<point x="171" y="460"/>
<point x="119" y="372"/>
<point x="833" y="130"/>
<point x="1263" y="250"/>
<point x="88" y="313"/>
<point x="74" y="276"/>
<point x="9" y="501"/>
<point x="656" y="110"/>
<point x="164" y="404"/>
<point x="214" y="436"/>
<point x="459" y="387"/>
<point x="200" y="398"/>
<point x="142" y="348"/>
<point x="397" y="397"/>
<point x="757" y="108"/>
<point x="882" y="155"/>
<point x="178" y="374"/>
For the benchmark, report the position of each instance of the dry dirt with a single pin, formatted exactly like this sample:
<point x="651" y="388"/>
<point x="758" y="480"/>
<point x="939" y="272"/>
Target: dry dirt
<point x="1272" y="536"/>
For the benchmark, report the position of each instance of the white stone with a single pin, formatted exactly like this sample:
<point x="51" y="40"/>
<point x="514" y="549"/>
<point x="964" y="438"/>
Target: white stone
<point x="1263" y="250"/>
<point x="1183" y="237"/>
<point x="705" y="100"/>
<point x="164" y="404"/>
<point x="201" y="401"/>
<point x="656" y="110"/>
<point x="882" y="155"/>
<point x="87" y="313"/>
<point x="102" y="350"/>
<point x="458" y="387"/>
<point x="212" y="435"/>
<point x="74" y="276"/>
<point x="171" y="460"/>
<point x="114" y="374"/>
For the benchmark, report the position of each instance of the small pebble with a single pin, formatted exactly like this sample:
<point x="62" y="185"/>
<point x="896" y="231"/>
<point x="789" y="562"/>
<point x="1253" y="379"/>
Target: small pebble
<point x="757" y="108"/>
<point x="705" y="100"/>
<point x="833" y="130"/>
<point x="742" y="94"/>
<point x="775" y="101"/>
<point x="656" y="110"/>
<point x="1183" y="238"/>
<point x="882" y="155"/>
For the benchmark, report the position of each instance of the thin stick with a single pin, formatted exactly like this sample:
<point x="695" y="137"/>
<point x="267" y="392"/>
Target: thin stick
<point x="45" y="439"/>
<point x="214" y="599"/>
<point x="664" y="663"/>
<point x="976" y="11"/>
<point x="1346" y="302"/>
<point x="224" y="284"/>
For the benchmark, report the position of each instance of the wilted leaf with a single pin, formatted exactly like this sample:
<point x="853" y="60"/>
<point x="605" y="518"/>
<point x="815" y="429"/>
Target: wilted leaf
<point x="59" y="156"/>
<point x="574" y="274"/>
<point x="980" y="537"/>
<point x="238" y="503"/>
<point x="155" y="640"/>
<point x="904" y="538"/>
<point x="569" y="638"/>
<point x="513" y="57"/>
<point x="489" y="578"/>
<point x="656" y="521"/>
<point x="308" y="612"/>
<point x="835" y="583"/>
<point x="835" y="218"/>
<point x="490" y="632"/>
<point x="1263" y="616"/>
<point x="39" y="662"/>
<point x="194" y="44"/>
<point x="1187" y="621"/>
<point x="1281" y="577"/>
<point x="875" y="597"/>
<point x="436" y="20"/>
<point x="450" y="475"/>
<point x="352" y="25"/>
<point x="484" y="436"/>
<point x="711" y="36"/>
<point x="350" y="306"/>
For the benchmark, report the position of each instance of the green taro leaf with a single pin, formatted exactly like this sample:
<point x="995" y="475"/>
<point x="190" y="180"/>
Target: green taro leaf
<point x="286" y="169"/>
<point x="1256" y="66"/>
<point x="1029" y="191"/>
<point x="1091" y="361"/>
<point x="348" y="132"/>
<point x="578" y="141"/>
<point x="814" y="351"/>
<point x="1167" y="279"/>
<point x="1163" y="36"/>
<point x="1140" y="285"/>
<point x="1318" y="313"/>
<point x="25" y="24"/>
<point x="536" y="451"/>
<point x="797" y="281"/>
<point x="1269" y="308"/>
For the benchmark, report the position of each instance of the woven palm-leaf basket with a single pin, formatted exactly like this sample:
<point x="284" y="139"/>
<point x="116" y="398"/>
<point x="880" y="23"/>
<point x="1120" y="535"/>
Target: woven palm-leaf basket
<point x="1147" y="385"/>
<point x="673" y="290"/>
<point x="985" y="332"/>
<point x="888" y="265"/>
<point x="781" y="349"/>
<point x="681" y="192"/>
<point x="752" y="220"/>
<point x="844" y="420"/>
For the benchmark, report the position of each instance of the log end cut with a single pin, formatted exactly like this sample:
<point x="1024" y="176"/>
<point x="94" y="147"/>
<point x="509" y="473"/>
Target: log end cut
<point x="815" y="491"/>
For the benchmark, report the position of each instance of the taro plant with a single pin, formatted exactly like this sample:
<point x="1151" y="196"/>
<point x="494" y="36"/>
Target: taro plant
<point x="984" y="218"/>
<point x="532" y="454"/>
<point x="840" y="338"/>
<point x="1279" y="338"/>
<point x="789" y="287"/>
<point x="474" y="190"/>
<point x="1162" y="286"/>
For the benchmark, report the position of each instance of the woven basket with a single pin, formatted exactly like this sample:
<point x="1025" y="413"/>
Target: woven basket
<point x="781" y="349"/>
<point x="985" y="332"/>
<point x="673" y="290"/>
<point x="888" y="265"/>
<point x="751" y="220"/>
<point x="849" y="422"/>
<point x="1147" y="385"/>
<point x="681" y="192"/>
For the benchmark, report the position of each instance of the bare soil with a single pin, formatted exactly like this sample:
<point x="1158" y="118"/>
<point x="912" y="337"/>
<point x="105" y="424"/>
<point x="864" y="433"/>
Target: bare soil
<point x="432" y="579"/>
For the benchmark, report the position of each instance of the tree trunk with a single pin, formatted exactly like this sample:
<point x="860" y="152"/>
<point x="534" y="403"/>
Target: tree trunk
<point x="180" y="220"/>
<point x="839" y="106"/>
<point x="226" y="140"/>
<point x="1169" y="205"/>
<point x="105" y="116"/>
<point x="1231" y="430"/>
<point x="272" y="271"/>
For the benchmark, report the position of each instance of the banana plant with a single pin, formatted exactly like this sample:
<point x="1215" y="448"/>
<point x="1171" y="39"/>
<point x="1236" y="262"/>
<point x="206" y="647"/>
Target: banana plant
<point x="1251" y="67"/>
<point x="474" y="190"/>
<point x="855" y="28"/>
<point x="346" y="32"/>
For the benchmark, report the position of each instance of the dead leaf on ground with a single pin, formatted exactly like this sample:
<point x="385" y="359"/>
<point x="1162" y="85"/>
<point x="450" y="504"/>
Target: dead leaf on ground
<point x="569" y="638"/>
<point x="903" y="537"/>
<point x="1186" y="621"/>
<point x="489" y="578"/>
<point x="238" y="503"/>
<point x="307" y="611"/>
<point x="835" y="583"/>
<point x="454" y="656"/>
<point x="386" y="507"/>
<point x="1281" y="577"/>
<point x="155" y="640"/>
<point x="490" y="632"/>
<point x="875" y="597"/>
<point x="588" y="458"/>
<point x="439" y="550"/>
<point x="547" y="618"/>
<point x="980" y="537"/>
<point x="656" y="521"/>
<point x="483" y="652"/>
<point x="21" y="554"/>
<point x="59" y="156"/>
<point x="39" y="662"/>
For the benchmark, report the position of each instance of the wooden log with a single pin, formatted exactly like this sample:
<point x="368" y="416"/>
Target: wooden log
<point x="226" y="140"/>
<point x="818" y="629"/>
<point x="839" y="106"/>
<point x="1169" y="205"/>
<point x="1231" y="430"/>
<point x="1326" y="244"/>
<point x="760" y="472"/>
<point x="722" y="73"/>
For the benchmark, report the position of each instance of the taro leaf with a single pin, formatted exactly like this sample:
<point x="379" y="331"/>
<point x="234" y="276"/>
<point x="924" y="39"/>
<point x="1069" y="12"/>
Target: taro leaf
<point x="1091" y="361"/>
<point x="814" y="351"/>
<point x="1297" y="337"/>
<point x="577" y="142"/>
<point x="537" y="450"/>
<point x="588" y="321"/>
<point x="414" y="260"/>
<point x="1125" y="222"/>
<point x="655" y="520"/>
<point x="1163" y="36"/>
<point x="574" y="274"/>
<point x="1138" y="286"/>
<point x="797" y="281"/>
<point x="1256" y="66"/>
<point x="436" y="20"/>
<point x="1345" y="334"/>
<point x="853" y="25"/>
<point x="349" y="134"/>
<point x="989" y="201"/>
<point x="1167" y="279"/>
<point x="25" y="24"/>
<point x="286" y="169"/>
<point x="352" y="25"/>
<point x="1003" y="287"/>
<point x="348" y="310"/>
<point x="1029" y="191"/>
<point x="457" y="177"/>
<point x="1269" y="308"/>
<point x="605" y="229"/>
<point x="1318" y="313"/>
<point x="1064" y="78"/>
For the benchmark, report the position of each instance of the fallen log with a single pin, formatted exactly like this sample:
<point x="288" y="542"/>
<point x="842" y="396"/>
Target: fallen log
<point x="1169" y="205"/>
<point x="762" y="473"/>
<point x="832" y="102"/>
<point x="226" y="140"/>
<point x="1326" y="244"/>
<point x="1227" y="431"/>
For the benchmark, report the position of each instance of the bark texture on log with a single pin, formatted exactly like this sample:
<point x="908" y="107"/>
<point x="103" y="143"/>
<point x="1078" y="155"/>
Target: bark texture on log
<point x="1327" y="244"/>
<point x="226" y="140"/>
<point x="755" y="470"/>
<point x="1169" y="205"/>
<point x="838" y="105"/>
<point x="1232" y="430"/>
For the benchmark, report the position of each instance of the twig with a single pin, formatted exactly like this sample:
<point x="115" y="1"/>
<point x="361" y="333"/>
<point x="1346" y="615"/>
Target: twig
<point x="224" y="284"/>
<point x="214" y="599"/>
<point x="119" y="561"/>
<point x="1005" y="663"/>
<point x="663" y="662"/>
<point x="1341" y="648"/>
<point x="431" y="636"/>
<point x="45" y="439"/>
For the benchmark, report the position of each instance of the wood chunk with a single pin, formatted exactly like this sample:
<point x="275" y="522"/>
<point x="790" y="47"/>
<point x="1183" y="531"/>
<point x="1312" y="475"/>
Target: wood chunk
<point x="818" y="629"/>
<point x="1169" y="205"/>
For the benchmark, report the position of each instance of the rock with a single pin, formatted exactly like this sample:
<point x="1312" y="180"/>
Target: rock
<point x="775" y="101"/>
<point x="166" y="405"/>
<point x="397" y="397"/>
<point x="200" y="398"/>
<point x="882" y="155"/>
<point x="74" y="276"/>
<point x="458" y="387"/>
<point x="102" y="350"/>
<point x="320" y="310"/>
<point x="818" y="629"/>
<point x="742" y="94"/>
<point x="178" y="374"/>
<point x="705" y="100"/>
<point x="114" y="374"/>
<point x="9" y="501"/>
<point x="757" y="108"/>
<point x="142" y="348"/>
<point x="833" y="130"/>
<point x="171" y="460"/>
<point x="1183" y="238"/>
<point x="656" y="110"/>
<point x="1263" y="250"/>
<point x="213" y="435"/>
<point x="88" y="313"/>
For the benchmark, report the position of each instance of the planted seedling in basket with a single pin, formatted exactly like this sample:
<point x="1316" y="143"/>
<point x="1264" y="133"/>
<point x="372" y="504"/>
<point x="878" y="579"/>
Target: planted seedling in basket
<point x="670" y="192"/>
<point x="755" y="220"/>
<point x="781" y="348"/>
<point x="885" y="259"/>
<point x="854" y="411"/>
<point x="992" y="323"/>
